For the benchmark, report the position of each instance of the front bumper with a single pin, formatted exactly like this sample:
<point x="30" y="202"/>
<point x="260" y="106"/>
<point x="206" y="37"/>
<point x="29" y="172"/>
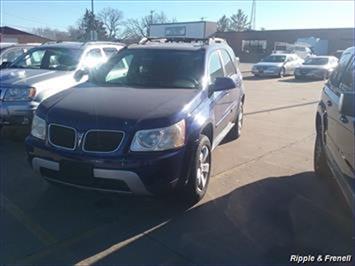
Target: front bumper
<point x="266" y="73"/>
<point x="16" y="113"/>
<point x="137" y="173"/>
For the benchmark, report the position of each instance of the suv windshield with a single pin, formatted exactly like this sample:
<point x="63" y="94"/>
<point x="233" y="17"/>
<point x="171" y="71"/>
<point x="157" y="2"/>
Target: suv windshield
<point x="153" y="68"/>
<point x="49" y="58"/>
<point x="274" y="59"/>
<point x="316" y="61"/>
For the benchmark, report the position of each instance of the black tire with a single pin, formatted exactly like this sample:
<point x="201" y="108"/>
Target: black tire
<point x="321" y="167"/>
<point x="236" y="131"/>
<point x="325" y="76"/>
<point x="282" y="72"/>
<point x="197" y="185"/>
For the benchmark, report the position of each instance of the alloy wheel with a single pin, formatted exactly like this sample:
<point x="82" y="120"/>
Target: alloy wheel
<point x="203" y="168"/>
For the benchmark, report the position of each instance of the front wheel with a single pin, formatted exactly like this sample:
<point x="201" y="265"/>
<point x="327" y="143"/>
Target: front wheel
<point x="197" y="185"/>
<point x="282" y="73"/>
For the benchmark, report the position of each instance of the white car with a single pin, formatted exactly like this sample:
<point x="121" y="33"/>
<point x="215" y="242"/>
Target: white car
<point x="277" y="65"/>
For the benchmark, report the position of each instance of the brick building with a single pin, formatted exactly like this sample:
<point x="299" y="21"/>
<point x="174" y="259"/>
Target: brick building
<point x="8" y="34"/>
<point x="250" y="46"/>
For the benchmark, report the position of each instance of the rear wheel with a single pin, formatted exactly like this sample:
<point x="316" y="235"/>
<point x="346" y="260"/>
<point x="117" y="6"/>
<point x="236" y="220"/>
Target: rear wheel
<point x="200" y="175"/>
<point x="236" y="130"/>
<point x="320" y="161"/>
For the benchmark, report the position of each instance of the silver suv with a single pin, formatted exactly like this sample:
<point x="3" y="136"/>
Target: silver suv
<point x="44" y="71"/>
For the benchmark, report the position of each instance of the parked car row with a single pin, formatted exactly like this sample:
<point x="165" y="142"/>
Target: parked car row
<point x="279" y="65"/>
<point x="145" y="118"/>
<point x="44" y="71"/>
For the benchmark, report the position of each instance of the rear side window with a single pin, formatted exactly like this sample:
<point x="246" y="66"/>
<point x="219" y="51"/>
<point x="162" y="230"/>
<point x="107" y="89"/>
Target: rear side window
<point x="109" y="51"/>
<point x="337" y="75"/>
<point x="228" y="63"/>
<point x="94" y="53"/>
<point x="348" y="78"/>
<point x="215" y="68"/>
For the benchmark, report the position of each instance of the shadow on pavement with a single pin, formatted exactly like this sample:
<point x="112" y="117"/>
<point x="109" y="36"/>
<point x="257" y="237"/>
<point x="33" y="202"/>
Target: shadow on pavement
<point x="256" y="78"/>
<point x="293" y="80"/>
<point x="260" y="223"/>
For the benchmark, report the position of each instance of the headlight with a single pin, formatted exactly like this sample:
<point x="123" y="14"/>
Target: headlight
<point x="160" y="139"/>
<point x="39" y="127"/>
<point x="20" y="94"/>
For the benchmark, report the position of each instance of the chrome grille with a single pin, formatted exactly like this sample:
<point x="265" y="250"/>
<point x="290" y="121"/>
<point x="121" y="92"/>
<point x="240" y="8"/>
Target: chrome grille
<point x="102" y="140"/>
<point x="62" y="136"/>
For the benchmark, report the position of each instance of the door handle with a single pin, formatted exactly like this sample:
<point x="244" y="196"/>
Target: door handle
<point x="344" y="119"/>
<point x="329" y="103"/>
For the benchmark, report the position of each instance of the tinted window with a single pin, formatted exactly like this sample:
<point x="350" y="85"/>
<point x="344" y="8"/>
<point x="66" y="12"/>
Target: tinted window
<point x="348" y="78"/>
<point x="49" y="58"/>
<point x="228" y="63"/>
<point x="316" y="61"/>
<point x="11" y="54"/>
<point x="153" y="69"/>
<point x="337" y="74"/>
<point x="214" y="67"/>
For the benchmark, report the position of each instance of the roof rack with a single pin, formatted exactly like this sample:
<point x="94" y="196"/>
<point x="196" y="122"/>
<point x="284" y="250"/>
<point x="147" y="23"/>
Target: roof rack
<point x="101" y="42"/>
<point x="207" y="41"/>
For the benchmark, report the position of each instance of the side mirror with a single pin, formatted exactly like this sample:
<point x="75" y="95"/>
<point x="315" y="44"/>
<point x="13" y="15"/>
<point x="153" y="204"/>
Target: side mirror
<point x="223" y="84"/>
<point x="80" y="73"/>
<point x="5" y="64"/>
<point x="346" y="104"/>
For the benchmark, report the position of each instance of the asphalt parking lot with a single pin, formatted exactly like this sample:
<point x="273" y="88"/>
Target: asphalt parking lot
<point x="263" y="205"/>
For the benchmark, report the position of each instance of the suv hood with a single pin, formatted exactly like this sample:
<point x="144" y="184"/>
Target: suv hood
<point x="28" y="77"/>
<point x="89" y="106"/>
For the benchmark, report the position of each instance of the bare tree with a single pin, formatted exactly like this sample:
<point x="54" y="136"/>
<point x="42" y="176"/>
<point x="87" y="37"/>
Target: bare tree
<point x="112" y="20"/>
<point x="138" y="28"/>
<point x="75" y="33"/>
<point x="53" y="34"/>
<point x="223" y="24"/>
<point x="239" y="21"/>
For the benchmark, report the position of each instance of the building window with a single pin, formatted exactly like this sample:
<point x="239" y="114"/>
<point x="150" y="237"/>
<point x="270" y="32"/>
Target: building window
<point x="254" y="46"/>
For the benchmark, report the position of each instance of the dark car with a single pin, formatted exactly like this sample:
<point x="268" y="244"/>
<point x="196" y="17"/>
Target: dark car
<point x="146" y="123"/>
<point x="335" y="122"/>
<point x="316" y="67"/>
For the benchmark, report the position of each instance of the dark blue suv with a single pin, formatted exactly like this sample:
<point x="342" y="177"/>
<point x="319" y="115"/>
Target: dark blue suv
<point x="145" y="123"/>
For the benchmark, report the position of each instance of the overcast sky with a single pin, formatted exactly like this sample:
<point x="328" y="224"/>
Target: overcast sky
<point x="269" y="14"/>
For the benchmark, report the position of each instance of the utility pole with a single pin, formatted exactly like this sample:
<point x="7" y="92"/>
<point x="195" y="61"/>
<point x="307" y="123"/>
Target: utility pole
<point x="92" y="7"/>
<point x="150" y="22"/>
<point x="252" y="23"/>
